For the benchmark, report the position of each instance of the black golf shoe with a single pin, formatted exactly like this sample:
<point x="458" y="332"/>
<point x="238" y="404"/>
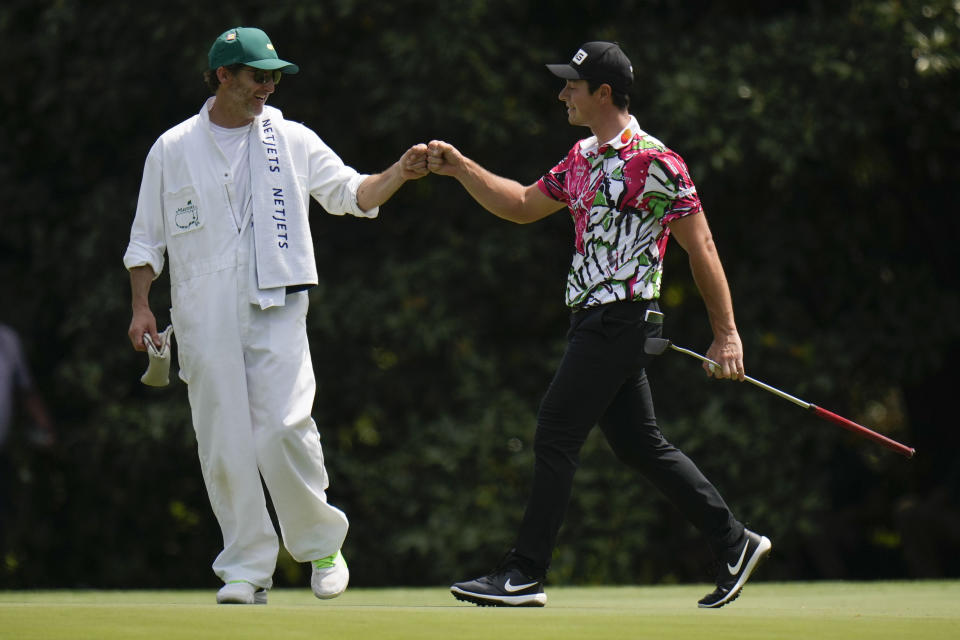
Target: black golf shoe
<point x="736" y="565"/>
<point x="505" y="587"/>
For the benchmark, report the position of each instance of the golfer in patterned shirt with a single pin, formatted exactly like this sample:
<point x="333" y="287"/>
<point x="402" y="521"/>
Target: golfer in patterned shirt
<point x="627" y="194"/>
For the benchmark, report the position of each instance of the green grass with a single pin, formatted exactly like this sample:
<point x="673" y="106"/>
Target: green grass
<point x="811" y="611"/>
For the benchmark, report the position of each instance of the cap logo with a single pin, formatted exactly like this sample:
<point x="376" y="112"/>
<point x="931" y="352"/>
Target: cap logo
<point x="270" y="46"/>
<point x="231" y="37"/>
<point x="579" y="57"/>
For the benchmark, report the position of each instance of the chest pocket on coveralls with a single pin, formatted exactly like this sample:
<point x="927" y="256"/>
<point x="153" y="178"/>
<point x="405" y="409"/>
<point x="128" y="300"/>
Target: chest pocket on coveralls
<point x="182" y="210"/>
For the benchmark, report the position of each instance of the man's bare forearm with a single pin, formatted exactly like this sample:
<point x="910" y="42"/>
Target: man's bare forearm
<point x="502" y="197"/>
<point x="711" y="281"/>
<point x="141" y="278"/>
<point x="378" y="188"/>
<point x="142" y="320"/>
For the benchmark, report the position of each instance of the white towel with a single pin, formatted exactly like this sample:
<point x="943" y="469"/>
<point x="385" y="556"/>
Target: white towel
<point x="283" y="244"/>
<point x="158" y="371"/>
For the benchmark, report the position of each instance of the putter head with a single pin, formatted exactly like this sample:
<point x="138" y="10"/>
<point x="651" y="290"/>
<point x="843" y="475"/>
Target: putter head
<point x="655" y="346"/>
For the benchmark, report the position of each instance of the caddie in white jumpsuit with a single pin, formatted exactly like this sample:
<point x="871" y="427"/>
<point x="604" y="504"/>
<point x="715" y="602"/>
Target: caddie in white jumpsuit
<point x="225" y="196"/>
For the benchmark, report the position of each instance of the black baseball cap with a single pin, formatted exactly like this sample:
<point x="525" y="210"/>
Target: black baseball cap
<point x="599" y="61"/>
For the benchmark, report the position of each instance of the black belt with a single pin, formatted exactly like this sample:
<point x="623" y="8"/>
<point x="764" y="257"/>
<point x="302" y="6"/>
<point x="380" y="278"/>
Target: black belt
<point x="638" y="308"/>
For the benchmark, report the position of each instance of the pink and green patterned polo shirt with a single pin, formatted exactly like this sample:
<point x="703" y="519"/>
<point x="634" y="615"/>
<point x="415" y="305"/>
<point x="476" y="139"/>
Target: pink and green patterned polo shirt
<point x="621" y="196"/>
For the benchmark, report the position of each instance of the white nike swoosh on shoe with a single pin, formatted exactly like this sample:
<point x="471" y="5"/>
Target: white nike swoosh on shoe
<point x="512" y="588"/>
<point x="734" y="570"/>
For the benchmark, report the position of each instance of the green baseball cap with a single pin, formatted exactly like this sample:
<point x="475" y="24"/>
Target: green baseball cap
<point x="249" y="46"/>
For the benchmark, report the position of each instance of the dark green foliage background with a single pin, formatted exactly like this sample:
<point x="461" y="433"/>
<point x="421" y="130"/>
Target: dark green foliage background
<point x="823" y="138"/>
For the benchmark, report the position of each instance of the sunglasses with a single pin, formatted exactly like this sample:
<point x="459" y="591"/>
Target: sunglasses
<point x="262" y="76"/>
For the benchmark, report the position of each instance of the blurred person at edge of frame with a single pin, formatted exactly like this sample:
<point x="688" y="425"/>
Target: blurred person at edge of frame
<point x="17" y="388"/>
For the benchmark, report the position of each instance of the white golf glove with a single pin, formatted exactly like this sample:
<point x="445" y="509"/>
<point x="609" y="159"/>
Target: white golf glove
<point x="158" y="371"/>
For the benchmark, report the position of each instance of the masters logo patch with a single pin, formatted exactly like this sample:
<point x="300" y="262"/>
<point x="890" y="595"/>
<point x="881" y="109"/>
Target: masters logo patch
<point x="187" y="216"/>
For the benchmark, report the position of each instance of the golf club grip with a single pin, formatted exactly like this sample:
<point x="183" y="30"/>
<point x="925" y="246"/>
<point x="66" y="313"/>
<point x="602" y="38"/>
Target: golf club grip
<point x="856" y="428"/>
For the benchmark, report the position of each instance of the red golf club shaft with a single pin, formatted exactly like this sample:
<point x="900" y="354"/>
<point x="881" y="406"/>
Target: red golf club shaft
<point x="902" y="449"/>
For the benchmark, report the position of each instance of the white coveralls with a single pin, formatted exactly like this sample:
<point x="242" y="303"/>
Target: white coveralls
<point x="248" y="369"/>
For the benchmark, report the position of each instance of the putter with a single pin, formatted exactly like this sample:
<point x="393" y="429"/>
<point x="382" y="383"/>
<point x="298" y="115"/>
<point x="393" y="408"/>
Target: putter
<point x="656" y="346"/>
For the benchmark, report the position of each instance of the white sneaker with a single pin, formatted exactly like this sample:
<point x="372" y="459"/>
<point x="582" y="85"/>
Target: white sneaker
<point x="241" y="592"/>
<point x="330" y="576"/>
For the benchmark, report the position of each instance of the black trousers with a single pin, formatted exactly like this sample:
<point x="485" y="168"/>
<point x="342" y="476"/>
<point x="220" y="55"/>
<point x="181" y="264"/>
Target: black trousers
<point x="602" y="380"/>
